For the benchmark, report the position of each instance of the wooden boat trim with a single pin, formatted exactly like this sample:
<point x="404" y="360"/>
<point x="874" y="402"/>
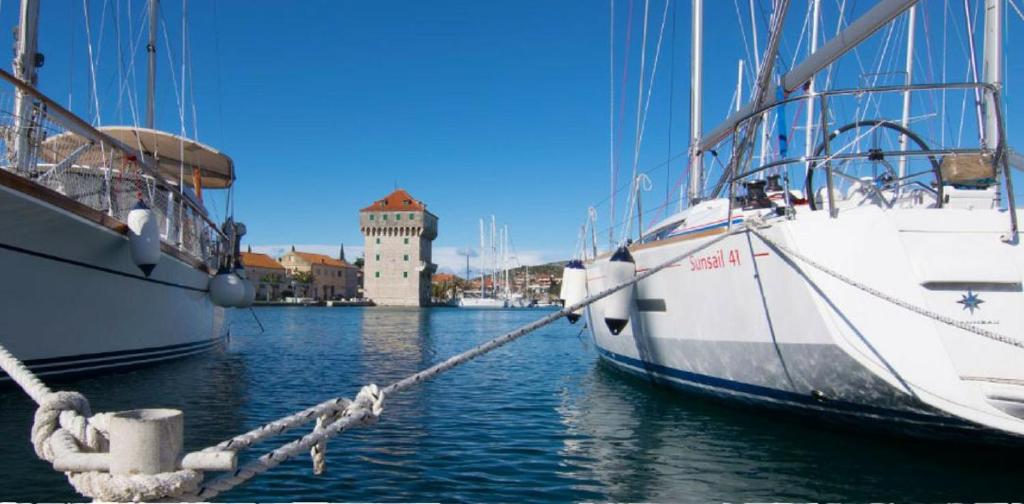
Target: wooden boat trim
<point x="668" y="241"/>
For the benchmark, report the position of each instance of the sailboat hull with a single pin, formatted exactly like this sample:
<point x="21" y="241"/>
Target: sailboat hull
<point x="746" y="322"/>
<point x="75" y="301"/>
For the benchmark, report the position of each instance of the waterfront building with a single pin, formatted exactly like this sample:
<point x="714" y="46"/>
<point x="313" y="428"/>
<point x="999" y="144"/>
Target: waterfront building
<point x="328" y="278"/>
<point x="445" y="286"/>
<point x="399" y="233"/>
<point x="266" y="274"/>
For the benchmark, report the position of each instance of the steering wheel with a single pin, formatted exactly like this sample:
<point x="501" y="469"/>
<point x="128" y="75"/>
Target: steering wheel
<point x="874" y="155"/>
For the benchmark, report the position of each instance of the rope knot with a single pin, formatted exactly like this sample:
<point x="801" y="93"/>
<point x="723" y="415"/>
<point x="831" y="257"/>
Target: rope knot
<point x="47" y="419"/>
<point x="370" y="397"/>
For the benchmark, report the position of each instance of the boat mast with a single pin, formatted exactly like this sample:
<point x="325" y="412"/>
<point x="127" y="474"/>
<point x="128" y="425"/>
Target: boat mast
<point x="494" y="257"/>
<point x="483" y="258"/>
<point x="508" y="284"/>
<point x="992" y="69"/>
<point x="151" y="52"/>
<point x="696" y="175"/>
<point x="501" y="260"/>
<point x="883" y="12"/>
<point x="911" y="22"/>
<point x="809" y="120"/>
<point x="25" y="63"/>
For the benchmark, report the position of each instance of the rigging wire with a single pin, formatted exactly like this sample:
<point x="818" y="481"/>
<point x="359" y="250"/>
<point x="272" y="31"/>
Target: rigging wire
<point x="1016" y="9"/>
<point x="71" y="58"/>
<point x="96" y="121"/>
<point x="671" y="100"/>
<point x="639" y="108"/>
<point x="642" y="118"/>
<point x="622" y="108"/>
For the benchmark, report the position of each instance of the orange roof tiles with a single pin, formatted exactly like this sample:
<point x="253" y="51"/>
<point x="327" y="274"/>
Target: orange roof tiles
<point x="398" y="200"/>
<point x="444" y="277"/>
<point x="256" y="260"/>
<point x="322" y="259"/>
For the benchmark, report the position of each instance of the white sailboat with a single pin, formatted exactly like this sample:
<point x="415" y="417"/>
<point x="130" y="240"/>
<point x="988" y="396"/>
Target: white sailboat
<point x="486" y="297"/>
<point x="109" y="256"/>
<point x="875" y="277"/>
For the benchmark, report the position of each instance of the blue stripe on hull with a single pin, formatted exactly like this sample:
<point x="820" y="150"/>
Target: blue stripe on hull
<point x="761" y="395"/>
<point x="111" y="360"/>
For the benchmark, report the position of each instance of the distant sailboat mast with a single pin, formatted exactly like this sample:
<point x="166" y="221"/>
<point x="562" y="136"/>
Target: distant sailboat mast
<point x="483" y="258"/>
<point x="494" y="256"/>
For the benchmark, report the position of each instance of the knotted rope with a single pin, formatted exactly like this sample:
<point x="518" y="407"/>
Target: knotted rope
<point x="65" y="420"/>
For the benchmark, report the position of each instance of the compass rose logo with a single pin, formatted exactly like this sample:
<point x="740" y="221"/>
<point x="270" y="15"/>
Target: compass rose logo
<point x="971" y="301"/>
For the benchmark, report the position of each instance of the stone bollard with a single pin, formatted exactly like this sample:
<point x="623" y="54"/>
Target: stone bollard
<point x="145" y="441"/>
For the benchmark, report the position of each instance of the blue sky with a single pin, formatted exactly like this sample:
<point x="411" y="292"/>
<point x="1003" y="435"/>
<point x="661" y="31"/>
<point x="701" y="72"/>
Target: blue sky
<point x="476" y="108"/>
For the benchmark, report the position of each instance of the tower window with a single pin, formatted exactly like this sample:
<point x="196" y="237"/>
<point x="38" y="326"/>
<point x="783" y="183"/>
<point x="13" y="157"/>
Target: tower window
<point x="406" y="241"/>
<point x="406" y="257"/>
<point x="412" y="216"/>
<point x="398" y="216"/>
<point x="405" y="274"/>
<point x="377" y="257"/>
<point x="376" y="274"/>
<point x="378" y="241"/>
<point x="372" y="216"/>
<point x="384" y="217"/>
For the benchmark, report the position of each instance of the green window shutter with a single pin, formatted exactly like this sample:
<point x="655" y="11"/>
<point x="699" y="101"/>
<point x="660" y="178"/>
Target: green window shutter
<point x="398" y="216"/>
<point x="384" y="217"/>
<point x="406" y="241"/>
<point x="405" y="274"/>
<point x="376" y="274"/>
<point x="412" y="216"/>
<point x="371" y="216"/>
<point x="377" y="257"/>
<point x="406" y="257"/>
<point x="378" y="241"/>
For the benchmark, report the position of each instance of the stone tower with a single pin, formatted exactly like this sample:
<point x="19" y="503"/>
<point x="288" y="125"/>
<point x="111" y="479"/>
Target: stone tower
<point x="399" y="233"/>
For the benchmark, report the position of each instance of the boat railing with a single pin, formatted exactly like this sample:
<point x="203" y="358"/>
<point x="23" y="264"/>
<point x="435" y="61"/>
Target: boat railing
<point x="823" y="149"/>
<point x="823" y="97"/>
<point x="58" y="150"/>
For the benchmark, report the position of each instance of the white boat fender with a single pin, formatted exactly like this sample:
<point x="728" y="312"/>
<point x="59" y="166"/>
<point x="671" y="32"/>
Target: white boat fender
<point x="144" y="237"/>
<point x="620" y="269"/>
<point x="574" y="287"/>
<point x="226" y="289"/>
<point x="250" y="289"/>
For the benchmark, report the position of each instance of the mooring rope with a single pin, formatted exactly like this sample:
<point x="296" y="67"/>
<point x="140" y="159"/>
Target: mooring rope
<point x="366" y="412"/>
<point x="64" y="422"/>
<point x="86" y="433"/>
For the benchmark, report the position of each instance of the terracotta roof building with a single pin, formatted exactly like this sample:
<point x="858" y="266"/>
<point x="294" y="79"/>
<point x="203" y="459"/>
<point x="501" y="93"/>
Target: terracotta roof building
<point x="399" y="233"/>
<point x="266" y="274"/>
<point x="445" y="278"/>
<point x="329" y="278"/>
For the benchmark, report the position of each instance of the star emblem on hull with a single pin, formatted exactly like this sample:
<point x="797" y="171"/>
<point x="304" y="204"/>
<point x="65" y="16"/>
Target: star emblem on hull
<point x="971" y="301"/>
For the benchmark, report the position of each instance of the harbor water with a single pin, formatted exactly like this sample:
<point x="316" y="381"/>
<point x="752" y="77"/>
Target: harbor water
<point x="538" y="420"/>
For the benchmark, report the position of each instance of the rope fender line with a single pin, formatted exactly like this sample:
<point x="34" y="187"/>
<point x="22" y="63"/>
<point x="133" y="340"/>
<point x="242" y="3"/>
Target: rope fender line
<point x="81" y="432"/>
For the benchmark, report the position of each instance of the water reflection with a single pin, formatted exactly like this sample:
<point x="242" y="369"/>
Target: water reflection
<point x="537" y="420"/>
<point x="395" y="343"/>
<point x="645" y="442"/>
